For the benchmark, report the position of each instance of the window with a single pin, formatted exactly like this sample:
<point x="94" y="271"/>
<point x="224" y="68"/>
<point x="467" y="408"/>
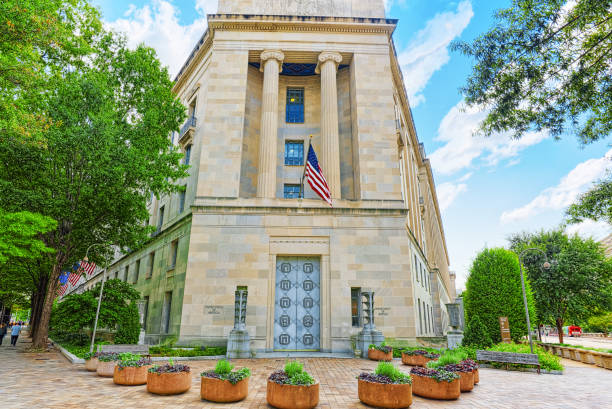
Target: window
<point x="420" y="317"/>
<point x="136" y="271"/>
<point x="145" y="314"/>
<point x="166" y="312"/>
<point x="151" y="264"/>
<point x="431" y="317"/>
<point x="427" y="317"/>
<point x="291" y="191"/>
<point x="416" y="269"/>
<point x="356" y="306"/>
<point x="160" y="220"/>
<point x="294" y="153"/>
<point x="116" y="275"/>
<point x="182" y="199"/>
<point x="125" y="273"/>
<point x="187" y="157"/>
<point x="173" y="253"/>
<point x="295" y="106"/>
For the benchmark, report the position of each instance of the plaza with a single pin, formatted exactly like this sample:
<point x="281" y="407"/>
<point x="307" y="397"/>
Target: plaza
<point x="48" y="380"/>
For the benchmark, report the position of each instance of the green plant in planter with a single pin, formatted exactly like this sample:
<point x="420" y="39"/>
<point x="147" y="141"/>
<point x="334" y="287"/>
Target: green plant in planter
<point x="440" y="375"/>
<point x="90" y="355"/>
<point x="383" y="347"/>
<point x="449" y="358"/>
<point x="293" y="374"/>
<point x="108" y="356"/>
<point x="223" y="370"/>
<point x="127" y="359"/>
<point x="390" y="371"/>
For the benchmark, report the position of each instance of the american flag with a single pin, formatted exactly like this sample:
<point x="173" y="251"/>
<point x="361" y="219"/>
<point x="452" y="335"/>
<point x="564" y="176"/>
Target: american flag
<point x="315" y="177"/>
<point x="74" y="278"/>
<point x="89" y="268"/>
<point x="62" y="290"/>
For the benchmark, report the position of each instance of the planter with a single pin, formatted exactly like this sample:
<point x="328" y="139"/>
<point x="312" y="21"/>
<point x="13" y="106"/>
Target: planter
<point x="292" y="396"/>
<point x="376" y="355"/>
<point x="587" y="357"/>
<point x="219" y="390"/>
<point x="168" y="383"/>
<point x="131" y="375"/>
<point x="466" y="381"/>
<point x="430" y="388"/>
<point x="415" y="360"/>
<point x="91" y="364"/>
<point x="476" y="376"/>
<point x="385" y="395"/>
<point x="106" y="369"/>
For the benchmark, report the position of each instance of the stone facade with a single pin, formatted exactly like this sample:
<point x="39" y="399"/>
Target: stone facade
<point x="384" y="232"/>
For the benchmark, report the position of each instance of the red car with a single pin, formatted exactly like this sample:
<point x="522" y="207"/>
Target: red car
<point x="574" y="331"/>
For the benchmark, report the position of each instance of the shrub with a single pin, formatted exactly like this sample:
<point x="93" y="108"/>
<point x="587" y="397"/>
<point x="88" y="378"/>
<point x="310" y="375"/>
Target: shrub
<point x="475" y="334"/>
<point x="293" y="368"/>
<point x="390" y="371"/>
<point x="164" y="350"/>
<point x="493" y="290"/>
<point x="129" y="325"/>
<point x="600" y="323"/>
<point x="223" y="370"/>
<point x="450" y="357"/>
<point x="548" y="361"/>
<point x="223" y="367"/>
<point x="293" y="374"/>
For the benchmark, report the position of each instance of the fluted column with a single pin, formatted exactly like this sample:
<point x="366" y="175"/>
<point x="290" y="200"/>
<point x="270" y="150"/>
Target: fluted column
<point x="271" y="65"/>
<point x="330" y="146"/>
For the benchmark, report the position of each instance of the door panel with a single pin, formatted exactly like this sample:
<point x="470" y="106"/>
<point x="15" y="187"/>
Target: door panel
<point x="297" y="304"/>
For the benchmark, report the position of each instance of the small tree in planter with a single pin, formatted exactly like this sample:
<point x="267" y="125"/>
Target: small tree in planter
<point x="452" y="362"/>
<point x="224" y="385"/>
<point x="417" y="357"/>
<point x="292" y="388"/>
<point x="169" y="379"/>
<point x="91" y="361"/>
<point x="131" y="369"/>
<point x="387" y="387"/>
<point x="381" y="352"/>
<point x="106" y="364"/>
<point x="435" y="383"/>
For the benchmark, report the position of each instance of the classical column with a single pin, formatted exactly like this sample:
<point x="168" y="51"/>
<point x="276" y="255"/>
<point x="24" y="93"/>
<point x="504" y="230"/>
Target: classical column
<point x="271" y="65"/>
<point x="330" y="149"/>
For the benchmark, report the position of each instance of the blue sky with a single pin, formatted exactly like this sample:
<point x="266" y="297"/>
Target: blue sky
<point x="487" y="188"/>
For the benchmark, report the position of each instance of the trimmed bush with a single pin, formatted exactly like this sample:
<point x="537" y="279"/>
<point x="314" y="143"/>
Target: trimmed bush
<point x="548" y="361"/>
<point x="475" y="334"/>
<point x="493" y="290"/>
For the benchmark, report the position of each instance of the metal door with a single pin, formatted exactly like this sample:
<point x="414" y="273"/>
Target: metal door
<point x="297" y="304"/>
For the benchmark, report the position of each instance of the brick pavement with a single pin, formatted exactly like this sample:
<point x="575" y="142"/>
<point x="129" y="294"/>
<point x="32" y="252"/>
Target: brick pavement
<point x="48" y="380"/>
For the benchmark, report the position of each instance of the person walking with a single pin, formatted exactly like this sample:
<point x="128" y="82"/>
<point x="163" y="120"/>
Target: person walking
<point x="15" y="334"/>
<point x="2" y="331"/>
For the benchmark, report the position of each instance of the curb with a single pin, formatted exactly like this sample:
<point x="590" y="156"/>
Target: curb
<point x="70" y="356"/>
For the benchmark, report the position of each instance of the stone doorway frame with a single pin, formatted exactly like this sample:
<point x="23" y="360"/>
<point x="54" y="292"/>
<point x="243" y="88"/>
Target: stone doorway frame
<point x="301" y="246"/>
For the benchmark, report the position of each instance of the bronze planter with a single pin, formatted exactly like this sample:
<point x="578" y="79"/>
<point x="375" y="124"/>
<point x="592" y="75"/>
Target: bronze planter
<point x="91" y="364"/>
<point x="385" y="395"/>
<point x="476" y="376"/>
<point x="415" y="360"/>
<point x="430" y="388"/>
<point x="106" y="369"/>
<point x="466" y="381"/>
<point x="130" y="375"/>
<point x="292" y="396"/>
<point x="219" y="390"/>
<point x="376" y="355"/>
<point x="168" y="383"/>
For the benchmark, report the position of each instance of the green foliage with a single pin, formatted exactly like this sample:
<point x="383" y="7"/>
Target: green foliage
<point x="449" y="357"/>
<point x="467" y="352"/>
<point x="294" y="371"/>
<point x="493" y="290"/>
<point x="293" y="367"/>
<point x="223" y="367"/>
<point x="20" y="235"/>
<point x="128" y="331"/>
<point x="548" y="361"/>
<point x="543" y="66"/>
<point x="108" y="356"/>
<point x="600" y="323"/>
<point x="202" y="351"/>
<point x="390" y="371"/>
<point x="595" y="204"/>
<point x="475" y="334"/>
<point x="75" y="313"/>
<point x="578" y="283"/>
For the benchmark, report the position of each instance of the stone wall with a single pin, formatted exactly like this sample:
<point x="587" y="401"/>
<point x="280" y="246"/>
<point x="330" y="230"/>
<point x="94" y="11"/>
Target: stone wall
<point x="340" y="8"/>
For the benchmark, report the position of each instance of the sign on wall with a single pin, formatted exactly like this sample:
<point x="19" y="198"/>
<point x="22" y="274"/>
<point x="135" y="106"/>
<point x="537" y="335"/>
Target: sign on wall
<point x="504" y="327"/>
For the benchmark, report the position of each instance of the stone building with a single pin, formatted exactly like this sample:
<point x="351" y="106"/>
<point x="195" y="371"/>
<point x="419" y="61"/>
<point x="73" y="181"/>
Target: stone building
<point x="263" y="77"/>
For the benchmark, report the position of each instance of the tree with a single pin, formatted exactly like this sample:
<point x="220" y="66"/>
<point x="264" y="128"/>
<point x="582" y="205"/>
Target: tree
<point x="493" y="290"/>
<point x="475" y="334"/>
<point x="110" y="149"/>
<point x="595" y="204"/>
<point x="21" y="233"/>
<point x="545" y="65"/>
<point x="578" y="283"/>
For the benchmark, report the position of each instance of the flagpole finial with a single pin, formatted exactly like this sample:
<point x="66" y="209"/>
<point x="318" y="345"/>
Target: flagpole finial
<point x="310" y="136"/>
<point x="85" y="258"/>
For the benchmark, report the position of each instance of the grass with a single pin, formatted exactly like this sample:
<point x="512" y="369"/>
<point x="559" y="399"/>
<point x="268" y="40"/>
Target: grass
<point x="548" y="361"/>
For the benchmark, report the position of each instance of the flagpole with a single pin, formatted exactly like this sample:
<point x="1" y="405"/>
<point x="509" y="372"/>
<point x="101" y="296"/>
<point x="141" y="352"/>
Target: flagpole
<point x="304" y="171"/>
<point x="93" y="336"/>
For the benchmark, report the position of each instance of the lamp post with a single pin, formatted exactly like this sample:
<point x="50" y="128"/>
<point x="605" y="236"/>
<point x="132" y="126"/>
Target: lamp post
<point x="546" y="266"/>
<point x="93" y="336"/>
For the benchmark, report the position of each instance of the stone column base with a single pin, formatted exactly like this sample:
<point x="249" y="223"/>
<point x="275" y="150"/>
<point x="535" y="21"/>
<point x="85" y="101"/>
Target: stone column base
<point x="239" y="344"/>
<point x="367" y="337"/>
<point x="454" y="338"/>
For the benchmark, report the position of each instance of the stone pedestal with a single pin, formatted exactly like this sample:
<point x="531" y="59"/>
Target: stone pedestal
<point x="367" y="337"/>
<point x="454" y="338"/>
<point x="239" y="344"/>
<point x="141" y="337"/>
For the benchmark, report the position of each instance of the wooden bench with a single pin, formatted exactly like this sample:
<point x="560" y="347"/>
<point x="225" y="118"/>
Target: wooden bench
<point x="508" y="358"/>
<point x="119" y="348"/>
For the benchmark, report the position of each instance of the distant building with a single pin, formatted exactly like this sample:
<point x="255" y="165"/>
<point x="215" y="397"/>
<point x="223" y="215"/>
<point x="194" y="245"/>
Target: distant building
<point x="606" y="242"/>
<point x="265" y="76"/>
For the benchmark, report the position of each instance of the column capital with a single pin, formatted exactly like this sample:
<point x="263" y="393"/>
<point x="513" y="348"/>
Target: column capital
<point x="272" y="55"/>
<point x="325" y="56"/>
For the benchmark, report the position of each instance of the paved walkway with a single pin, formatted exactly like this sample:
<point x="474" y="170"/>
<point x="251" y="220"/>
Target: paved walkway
<point x="605" y="343"/>
<point x="48" y="380"/>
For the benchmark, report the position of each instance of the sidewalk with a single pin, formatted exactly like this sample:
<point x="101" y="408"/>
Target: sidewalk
<point x="47" y="380"/>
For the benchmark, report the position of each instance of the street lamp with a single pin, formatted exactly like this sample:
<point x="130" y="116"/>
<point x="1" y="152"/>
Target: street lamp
<point x="93" y="336"/>
<point x="545" y="266"/>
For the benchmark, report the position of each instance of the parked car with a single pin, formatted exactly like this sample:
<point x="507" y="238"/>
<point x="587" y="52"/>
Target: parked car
<point x="574" y="331"/>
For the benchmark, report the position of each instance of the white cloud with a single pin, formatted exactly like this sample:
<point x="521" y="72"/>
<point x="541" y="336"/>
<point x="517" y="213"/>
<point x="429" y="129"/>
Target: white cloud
<point x="463" y="146"/>
<point x="157" y="25"/>
<point x="448" y="192"/>
<point x="577" y="181"/>
<point x="428" y="52"/>
<point x="465" y="177"/>
<point x="590" y="229"/>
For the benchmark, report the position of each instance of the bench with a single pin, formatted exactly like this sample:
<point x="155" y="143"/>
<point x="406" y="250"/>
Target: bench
<point x="508" y="358"/>
<point x="119" y="348"/>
